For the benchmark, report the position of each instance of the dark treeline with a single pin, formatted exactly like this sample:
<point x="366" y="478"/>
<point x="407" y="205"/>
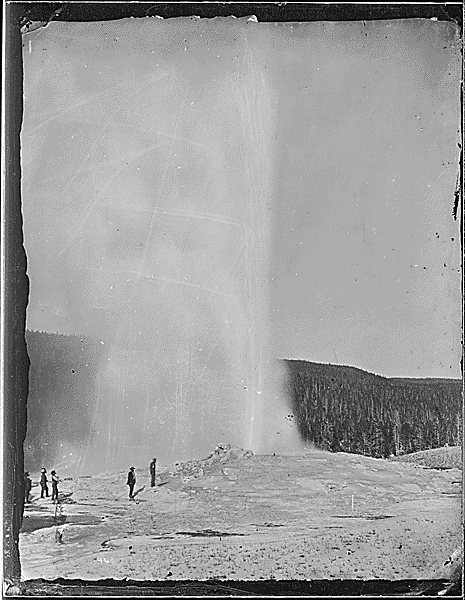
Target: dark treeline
<point x="341" y="408"/>
<point x="62" y="387"/>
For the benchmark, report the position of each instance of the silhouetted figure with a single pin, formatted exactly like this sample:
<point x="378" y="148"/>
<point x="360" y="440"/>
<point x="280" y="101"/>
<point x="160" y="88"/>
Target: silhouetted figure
<point x="27" y="487"/>
<point x="59" y="535"/>
<point x="55" y="481"/>
<point x="131" y="482"/>
<point x="43" y="483"/>
<point x="153" y="468"/>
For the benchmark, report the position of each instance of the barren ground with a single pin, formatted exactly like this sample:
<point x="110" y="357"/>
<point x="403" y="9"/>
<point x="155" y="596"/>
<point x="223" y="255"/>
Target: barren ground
<point x="259" y="517"/>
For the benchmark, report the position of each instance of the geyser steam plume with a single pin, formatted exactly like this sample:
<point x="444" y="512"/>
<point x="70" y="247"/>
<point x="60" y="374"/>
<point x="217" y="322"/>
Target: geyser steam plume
<point x="159" y="229"/>
<point x="266" y="399"/>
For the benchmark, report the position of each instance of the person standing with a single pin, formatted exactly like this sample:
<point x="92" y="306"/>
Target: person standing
<point x="131" y="482"/>
<point x="43" y="483"/>
<point x="153" y="468"/>
<point x="27" y="487"/>
<point x="55" y="481"/>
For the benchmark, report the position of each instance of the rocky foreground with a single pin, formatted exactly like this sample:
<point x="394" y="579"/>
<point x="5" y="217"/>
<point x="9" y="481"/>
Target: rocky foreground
<point x="235" y="515"/>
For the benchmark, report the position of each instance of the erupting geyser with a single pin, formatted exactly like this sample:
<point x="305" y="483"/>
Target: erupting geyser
<point x="160" y="234"/>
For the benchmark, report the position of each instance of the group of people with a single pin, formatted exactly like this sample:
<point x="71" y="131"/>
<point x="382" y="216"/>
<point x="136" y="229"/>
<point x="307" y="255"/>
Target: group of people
<point x="43" y="485"/>
<point x="131" y="480"/>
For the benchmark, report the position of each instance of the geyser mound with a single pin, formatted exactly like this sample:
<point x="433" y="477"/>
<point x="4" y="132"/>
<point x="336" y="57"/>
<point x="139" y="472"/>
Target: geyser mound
<point x="215" y="462"/>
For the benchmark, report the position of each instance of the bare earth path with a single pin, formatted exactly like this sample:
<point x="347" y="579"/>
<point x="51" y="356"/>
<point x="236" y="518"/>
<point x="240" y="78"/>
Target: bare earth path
<point x="288" y="517"/>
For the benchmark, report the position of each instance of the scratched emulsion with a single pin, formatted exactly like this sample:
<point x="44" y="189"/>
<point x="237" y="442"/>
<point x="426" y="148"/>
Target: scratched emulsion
<point x="201" y="197"/>
<point x="161" y="230"/>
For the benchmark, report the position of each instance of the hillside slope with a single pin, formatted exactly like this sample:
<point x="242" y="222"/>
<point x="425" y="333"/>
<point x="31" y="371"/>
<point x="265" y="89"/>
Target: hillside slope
<point x="345" y="408"/>
<point x="438" y="458"/>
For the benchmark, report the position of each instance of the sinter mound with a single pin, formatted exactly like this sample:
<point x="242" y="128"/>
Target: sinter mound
<point x="213" y="463"/>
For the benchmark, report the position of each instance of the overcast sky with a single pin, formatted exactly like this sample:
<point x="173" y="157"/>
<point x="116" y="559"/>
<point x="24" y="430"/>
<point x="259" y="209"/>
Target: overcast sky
<point x="364" y="255"/>
<point x="205" y="196"/>
<point x="369" y="253"/>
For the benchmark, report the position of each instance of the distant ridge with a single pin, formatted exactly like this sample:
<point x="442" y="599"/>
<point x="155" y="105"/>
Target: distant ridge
<point x="314" y="366"/>
<point x="336" y="407"/>
<point x="55" y="333"/>
<point x="340" y="407"/>
<point x="351" y="370"/>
